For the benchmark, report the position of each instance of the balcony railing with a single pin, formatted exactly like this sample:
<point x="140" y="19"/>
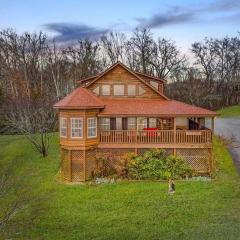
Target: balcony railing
<point x="156" y="137"/>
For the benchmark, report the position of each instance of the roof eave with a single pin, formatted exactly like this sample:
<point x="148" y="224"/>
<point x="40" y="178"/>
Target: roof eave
<point x="77" y="107"/>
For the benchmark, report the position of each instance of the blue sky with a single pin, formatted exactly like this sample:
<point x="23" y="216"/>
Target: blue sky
<point x="183" y="21"/>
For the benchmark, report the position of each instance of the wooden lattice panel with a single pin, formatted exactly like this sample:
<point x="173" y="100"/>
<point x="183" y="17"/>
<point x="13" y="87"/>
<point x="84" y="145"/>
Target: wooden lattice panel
<point x="77" y="157"/>
<point x="65" y="165"/>
<point x="198" y="159"/>
<point x="141" y="151"/>
<point x="90" y="161"/>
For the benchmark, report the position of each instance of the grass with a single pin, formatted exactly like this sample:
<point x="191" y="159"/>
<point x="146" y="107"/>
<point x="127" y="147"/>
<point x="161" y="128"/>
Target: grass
<point x="232" y="111"/>
<point x="127" y="210"/>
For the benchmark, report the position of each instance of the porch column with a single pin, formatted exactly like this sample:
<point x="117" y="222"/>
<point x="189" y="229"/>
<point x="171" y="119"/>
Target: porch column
<point x="212" y="124"/>
<point x="174" y="136"/>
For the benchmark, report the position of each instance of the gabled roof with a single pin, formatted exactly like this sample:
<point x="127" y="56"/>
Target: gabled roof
<point x="91" y="78"/>
<point x="80" y="98"/>
<point x="131" y="72"/>
<point x="152" y="107"/>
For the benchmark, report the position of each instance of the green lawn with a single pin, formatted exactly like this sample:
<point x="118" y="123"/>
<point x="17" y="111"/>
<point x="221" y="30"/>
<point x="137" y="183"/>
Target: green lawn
<point x="127" y="210"/>
<point x="232" y="111"/>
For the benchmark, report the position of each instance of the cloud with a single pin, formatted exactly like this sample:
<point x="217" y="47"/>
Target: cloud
<point x="68" y="32"/>
<point x="180" y="14"/>
<point x="173" y="16"/>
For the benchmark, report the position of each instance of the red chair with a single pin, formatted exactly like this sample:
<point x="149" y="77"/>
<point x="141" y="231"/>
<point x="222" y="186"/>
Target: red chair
<point x="151" y="132"/>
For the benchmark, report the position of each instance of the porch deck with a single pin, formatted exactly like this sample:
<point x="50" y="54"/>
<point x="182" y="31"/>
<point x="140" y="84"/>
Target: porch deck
<point x="156" y="138"/>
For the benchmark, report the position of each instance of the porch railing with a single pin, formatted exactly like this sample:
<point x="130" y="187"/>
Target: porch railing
<point x="156" y="137"/>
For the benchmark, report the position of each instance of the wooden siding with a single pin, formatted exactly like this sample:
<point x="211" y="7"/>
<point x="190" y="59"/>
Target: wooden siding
<point x="119" y="75"/>
<point x="83" y="142"/>
<point x="160" y="84"/>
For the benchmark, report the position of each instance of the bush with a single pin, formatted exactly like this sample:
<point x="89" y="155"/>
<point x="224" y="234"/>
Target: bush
<point x="122" y="167"/>
<point x="104" y="165"/>
<point x="155" y="164"/>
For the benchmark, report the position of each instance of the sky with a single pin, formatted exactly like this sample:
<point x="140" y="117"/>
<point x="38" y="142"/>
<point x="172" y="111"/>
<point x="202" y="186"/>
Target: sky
<point x="183" y="21"/>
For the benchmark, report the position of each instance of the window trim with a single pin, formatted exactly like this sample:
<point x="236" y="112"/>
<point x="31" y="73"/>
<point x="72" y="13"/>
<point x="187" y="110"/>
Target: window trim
<point x="91" y="127"/>
<point x="63" y="118"/>
<point x="81" y="118"/>
<point x="118" y="95"/>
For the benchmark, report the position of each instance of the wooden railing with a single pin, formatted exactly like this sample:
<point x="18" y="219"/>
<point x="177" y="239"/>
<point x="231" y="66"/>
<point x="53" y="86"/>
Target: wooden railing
<point x="156" y="137"/>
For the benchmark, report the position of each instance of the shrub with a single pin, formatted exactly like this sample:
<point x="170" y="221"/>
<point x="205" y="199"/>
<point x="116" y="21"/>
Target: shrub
<point x="122" y="167"/>
<point x="155" y="164"/>
<point x="104" y="165"/>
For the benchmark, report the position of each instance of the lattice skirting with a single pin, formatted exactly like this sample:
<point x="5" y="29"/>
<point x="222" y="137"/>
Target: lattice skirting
<point x="198" y="159"/>
<point x="77" y="165"/>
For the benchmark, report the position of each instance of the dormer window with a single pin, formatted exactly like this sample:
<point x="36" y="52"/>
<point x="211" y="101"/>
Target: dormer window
<point x="105" y="90"/>
<point x="131" y="90"/>
<point x="118" y="90"/>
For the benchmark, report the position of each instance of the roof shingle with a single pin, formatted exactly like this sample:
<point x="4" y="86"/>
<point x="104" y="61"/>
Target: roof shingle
<point x="151" y="107"/>
<point x="80" y="98"/>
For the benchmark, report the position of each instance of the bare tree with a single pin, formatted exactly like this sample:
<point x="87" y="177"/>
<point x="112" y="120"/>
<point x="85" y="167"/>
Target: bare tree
<point x="114" y="46"/>
<point x="141" y="45"/>
<point x="165" y="58"/>
<point x="219" y="60"/>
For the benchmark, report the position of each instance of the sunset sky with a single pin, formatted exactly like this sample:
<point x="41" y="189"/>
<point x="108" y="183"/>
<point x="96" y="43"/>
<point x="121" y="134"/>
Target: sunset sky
<point x="67" y="20"/>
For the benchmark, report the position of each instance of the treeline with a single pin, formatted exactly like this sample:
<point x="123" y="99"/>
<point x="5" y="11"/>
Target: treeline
<point x="35" y="71"/>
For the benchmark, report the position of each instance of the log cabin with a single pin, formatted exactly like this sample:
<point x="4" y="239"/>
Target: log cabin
<point x="121" y="111"/>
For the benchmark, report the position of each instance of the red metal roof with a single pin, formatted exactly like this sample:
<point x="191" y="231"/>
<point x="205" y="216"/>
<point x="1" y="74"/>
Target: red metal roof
<point x="151" y="107"/>
<point x="80" y="98"/>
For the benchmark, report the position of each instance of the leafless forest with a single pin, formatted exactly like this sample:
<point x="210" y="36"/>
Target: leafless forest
<point x="35" y="71"/>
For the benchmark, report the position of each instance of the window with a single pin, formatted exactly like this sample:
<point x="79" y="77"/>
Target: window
<point x="118" y="123"/>
<point x="92" y="127"/>
<point x="152" y="122"/>
<point x="118" y="90"/>
<point x="105" y="124"/>
<point x="96" y="90"/>
<point x="63" y="127"/>
<point x="131" y="90"/>
<point x="141" y="123"/>
<point x="105" y="90"/>
<point x="76" y="127"/>
<point x="131" y="123"/>
<point x="141" y="90"/>
<point x="154" y="84"/>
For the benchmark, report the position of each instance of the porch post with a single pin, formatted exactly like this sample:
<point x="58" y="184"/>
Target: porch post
<point x="212" y="124"/>
<point x="174" y="136"/>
